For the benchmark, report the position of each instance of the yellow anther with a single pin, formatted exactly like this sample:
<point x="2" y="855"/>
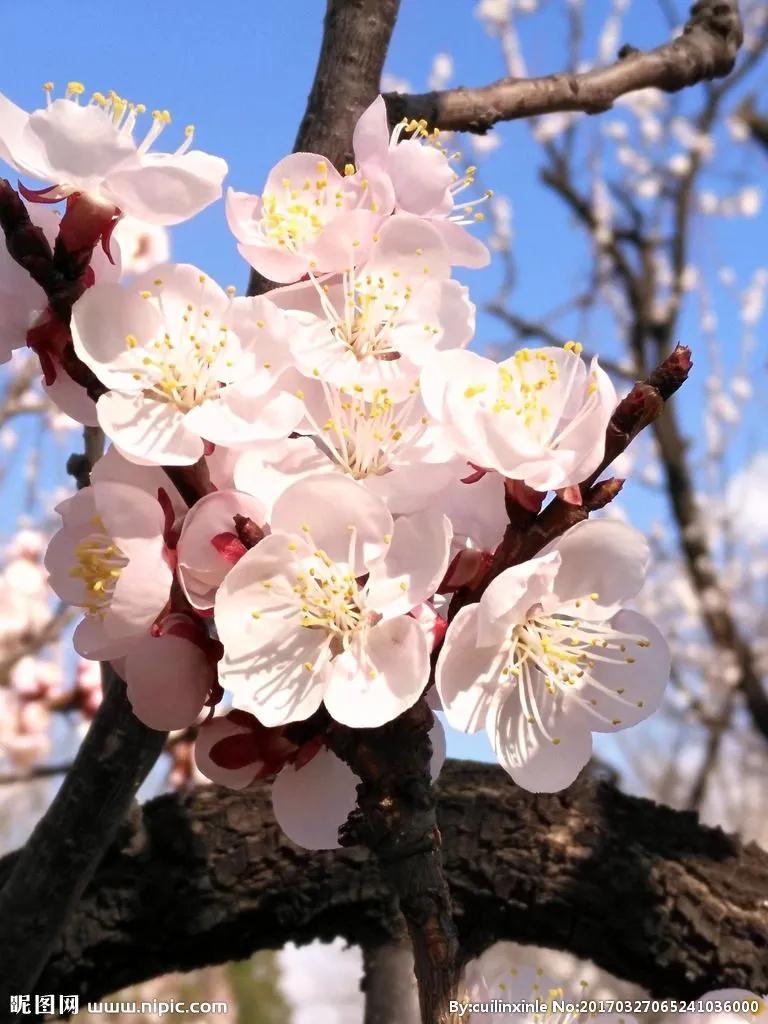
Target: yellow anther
<point x="75" y="88"/>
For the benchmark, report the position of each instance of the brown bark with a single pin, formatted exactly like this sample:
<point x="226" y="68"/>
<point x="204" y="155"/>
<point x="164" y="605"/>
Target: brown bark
<point x="52" y="870"/>
<point x="706" y="50"/>
<point x="644" y="891"/>
<point x="397" y="820"/>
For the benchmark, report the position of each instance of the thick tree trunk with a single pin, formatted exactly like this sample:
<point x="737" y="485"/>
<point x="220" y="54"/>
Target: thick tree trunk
<point x="644" y="891"/>
<point x="389" y="984"/>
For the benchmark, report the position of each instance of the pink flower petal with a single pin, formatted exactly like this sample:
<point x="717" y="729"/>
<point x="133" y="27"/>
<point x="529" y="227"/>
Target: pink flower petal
<point x="395" y="670"/>
<point x="168" y="188"/>
<point x="312" y="804"/>
<point x="168" y="680"/>
<point x="414" y="565"/>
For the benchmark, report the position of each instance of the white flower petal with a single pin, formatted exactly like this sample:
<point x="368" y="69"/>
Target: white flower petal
<point x="313" y="802"/>
<point x="642" y="681"/>
<point x="414" y="566"/>
<point x="388" y="682"/>
<point x="467" y="674"/>
<point x="539" y="763"/>
<point x="167" y="188"/>
<point x="146" y="431"/>
<point x="603" y="557"/>
<point x="80" y="143"/>
<point x="336" y="510"/>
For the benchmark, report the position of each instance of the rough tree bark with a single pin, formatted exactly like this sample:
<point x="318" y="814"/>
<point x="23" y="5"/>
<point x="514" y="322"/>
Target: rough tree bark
<point x="60" y="857"/>
<point x="644" y="891"/>
<point x="706" y="49"/>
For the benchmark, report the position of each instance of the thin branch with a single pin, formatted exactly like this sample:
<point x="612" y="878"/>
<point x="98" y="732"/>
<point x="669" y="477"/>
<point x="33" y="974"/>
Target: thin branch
<point x="34" y="642"/>
<point x="525" y="328"/>
<point x="644" y="891"/>
<point x="41" y="771"/>
<point x="716" y="731"/>
<point x="707" y="49"/>
<point x="756" y="122"/>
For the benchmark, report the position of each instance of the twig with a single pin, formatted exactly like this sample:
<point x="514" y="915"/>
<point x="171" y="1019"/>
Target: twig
<point x="41" y="771"/>
<point x="707" y="49"/>
<point x="32" y="643"/>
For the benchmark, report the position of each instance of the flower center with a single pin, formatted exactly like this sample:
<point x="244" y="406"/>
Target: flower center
<point x="99" y="565"/>
<point x="328" y="598"/>
<point x="373" y="307"/>
<point x="296" y="213"/>
<point x="183" y="366"/>
<point x="525" y="386"/>
<point x="564" y="656"/>
<point x="364" y="437"/>
<point x="123" y="114"/>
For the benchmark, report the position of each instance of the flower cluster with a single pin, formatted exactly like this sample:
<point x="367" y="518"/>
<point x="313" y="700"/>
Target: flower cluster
<point x="298" y="483"/>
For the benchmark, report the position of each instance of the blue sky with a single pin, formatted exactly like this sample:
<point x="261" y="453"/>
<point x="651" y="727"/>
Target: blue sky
<point x="240" y="71"/>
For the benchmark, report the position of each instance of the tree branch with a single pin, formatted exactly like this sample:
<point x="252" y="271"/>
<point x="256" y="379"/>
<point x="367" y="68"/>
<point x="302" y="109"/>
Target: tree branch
<point x="755" y="121"/>
<point x="397" y="820"/>
<point x="59" y="859"/>
<point x="644" y="891"/>
<point x="707" y="49"/>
